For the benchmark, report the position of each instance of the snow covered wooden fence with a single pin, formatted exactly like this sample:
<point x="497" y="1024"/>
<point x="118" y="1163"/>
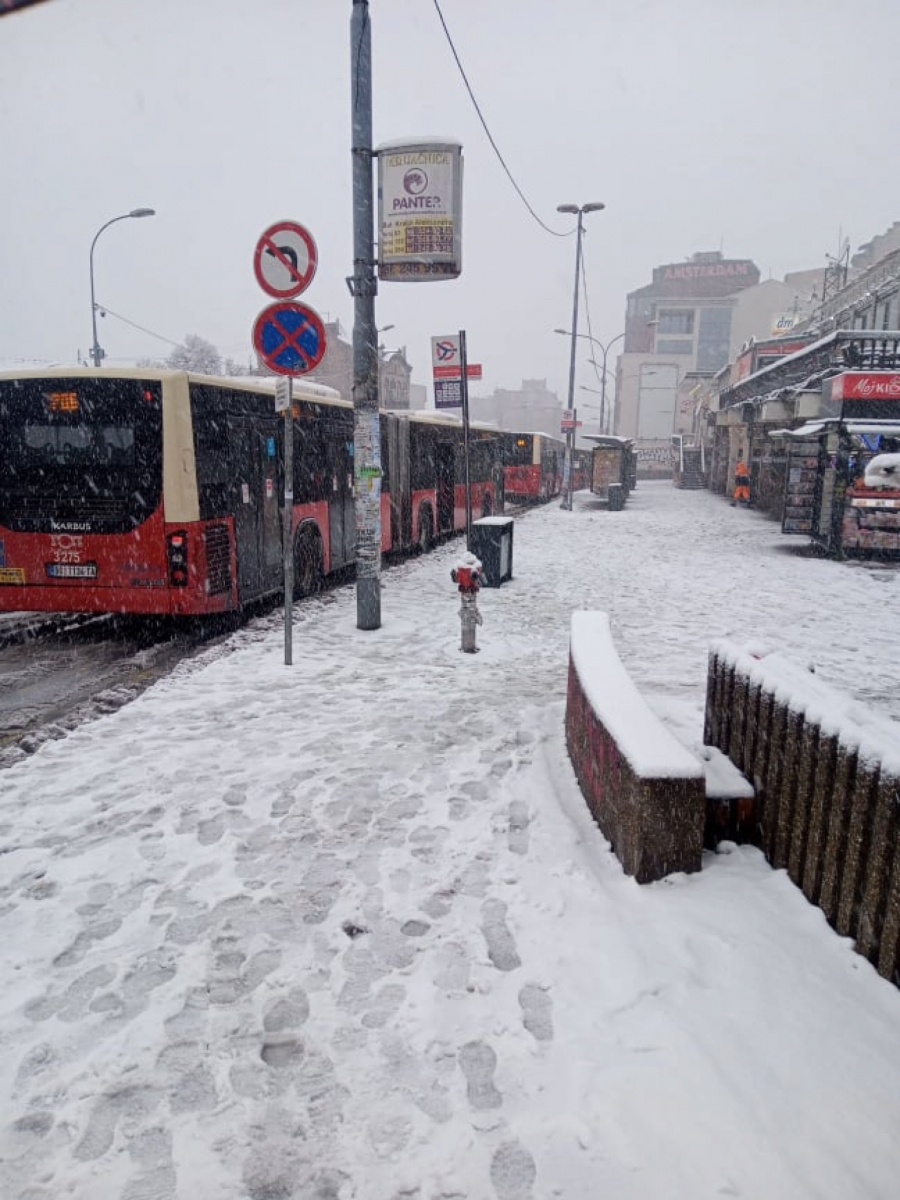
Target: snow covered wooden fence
<point x="646" y="791"/>
<point x="827" y="779"/>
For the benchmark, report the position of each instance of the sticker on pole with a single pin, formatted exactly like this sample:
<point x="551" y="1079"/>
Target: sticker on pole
<point x="289" y="338"/>
<point x="285" y="260"/>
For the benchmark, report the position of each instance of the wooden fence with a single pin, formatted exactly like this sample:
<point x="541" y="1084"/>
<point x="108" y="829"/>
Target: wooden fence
<point x="827" y="779"/>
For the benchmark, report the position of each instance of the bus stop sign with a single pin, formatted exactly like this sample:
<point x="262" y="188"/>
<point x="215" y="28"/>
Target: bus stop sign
<point x="289" y="338"/>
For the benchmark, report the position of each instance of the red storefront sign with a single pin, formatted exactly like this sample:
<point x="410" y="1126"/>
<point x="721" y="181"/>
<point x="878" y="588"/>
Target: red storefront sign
<point x="866" y="385"/>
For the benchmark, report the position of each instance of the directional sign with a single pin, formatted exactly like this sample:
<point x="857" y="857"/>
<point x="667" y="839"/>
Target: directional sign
<point x="289" y="338"/>
<point x="285" y="260"/>
<point x="446" y="361"/>
<point x="445" y="352"/>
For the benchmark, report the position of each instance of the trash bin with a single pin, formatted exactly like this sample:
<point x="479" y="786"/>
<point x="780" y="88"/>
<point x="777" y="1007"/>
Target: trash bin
<point x="616" y="497"/>
<point x="492" y="543"/>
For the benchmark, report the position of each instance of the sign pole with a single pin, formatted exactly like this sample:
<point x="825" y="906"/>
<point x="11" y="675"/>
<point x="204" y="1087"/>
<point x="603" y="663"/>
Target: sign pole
<point x="570" y="439"/>
<point x="464" y="396"/>
<point x="288" y="522"/>
<point x="364" y="285"/>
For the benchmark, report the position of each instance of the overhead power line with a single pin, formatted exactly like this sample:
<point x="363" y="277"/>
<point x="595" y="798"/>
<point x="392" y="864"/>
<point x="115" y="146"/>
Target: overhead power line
<point x="490" y="138"/>
<point x="587" y="316"/>
<point x="134" y="325"/>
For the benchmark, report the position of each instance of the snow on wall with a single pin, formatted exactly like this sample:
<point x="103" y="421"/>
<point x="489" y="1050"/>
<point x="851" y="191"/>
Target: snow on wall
<point x="650" y="749"/>
<point x="876" y="738"/>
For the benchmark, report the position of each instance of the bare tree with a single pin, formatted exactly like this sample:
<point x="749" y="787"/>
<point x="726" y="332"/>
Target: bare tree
<point x="196" y="354"/>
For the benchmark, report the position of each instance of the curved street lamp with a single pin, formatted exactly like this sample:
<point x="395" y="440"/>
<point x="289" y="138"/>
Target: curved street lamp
<point x="604" y="349"/>
<point x="579" y="211"/>
<point x="96" y="353"/>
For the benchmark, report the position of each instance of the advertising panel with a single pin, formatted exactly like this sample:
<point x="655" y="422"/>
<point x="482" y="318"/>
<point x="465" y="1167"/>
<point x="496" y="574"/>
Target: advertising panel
<point x="419" y="211"/>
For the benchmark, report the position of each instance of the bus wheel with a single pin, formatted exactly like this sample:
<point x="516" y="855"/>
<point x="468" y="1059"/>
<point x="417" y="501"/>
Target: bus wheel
<point x="486" y="505"/>
<point x="307" y="563"/>
<point x="426" y="530"/>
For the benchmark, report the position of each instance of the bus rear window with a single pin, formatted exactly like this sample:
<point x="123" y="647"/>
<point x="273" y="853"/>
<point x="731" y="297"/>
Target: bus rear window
<point x="78" y="445"/>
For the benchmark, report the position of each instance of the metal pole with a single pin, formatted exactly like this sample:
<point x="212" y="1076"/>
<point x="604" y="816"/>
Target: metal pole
<point x="570" y="433"/>
<point x="366" y="428"/>
<point x="96" y="352"/>
<point x="288" y="523"/>
<point x="603" y="395"/>
<point x="464" y="390"/>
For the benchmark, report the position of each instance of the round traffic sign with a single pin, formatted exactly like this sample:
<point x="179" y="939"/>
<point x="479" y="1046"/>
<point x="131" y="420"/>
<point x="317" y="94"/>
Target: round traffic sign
<point x="289" y="338"/>
<point x="285" y="260"/>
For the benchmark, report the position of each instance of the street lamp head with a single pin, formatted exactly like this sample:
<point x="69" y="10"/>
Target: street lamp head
<point x="594" y="206"/>
<point x="384" y="328"/>
<point x="142" y="212"/>
<point x="564" y="332"/>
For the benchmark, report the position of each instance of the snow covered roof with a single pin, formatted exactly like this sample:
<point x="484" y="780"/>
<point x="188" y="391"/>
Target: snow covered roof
<point x="608" y="439"/>
<point x="816" y="428"/>
<point x="408" y="143"/>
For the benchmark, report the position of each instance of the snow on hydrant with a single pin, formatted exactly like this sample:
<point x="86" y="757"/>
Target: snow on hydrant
<point x="467" y="576"/>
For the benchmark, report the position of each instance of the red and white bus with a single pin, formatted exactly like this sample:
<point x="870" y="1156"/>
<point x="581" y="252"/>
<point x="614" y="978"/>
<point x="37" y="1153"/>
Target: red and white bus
<point x="534" y="465"/>
<point x="158" y="492"/>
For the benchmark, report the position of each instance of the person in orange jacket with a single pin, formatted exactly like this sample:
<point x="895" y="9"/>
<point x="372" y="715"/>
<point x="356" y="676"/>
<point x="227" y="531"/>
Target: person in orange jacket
<point x="741" y="482"/>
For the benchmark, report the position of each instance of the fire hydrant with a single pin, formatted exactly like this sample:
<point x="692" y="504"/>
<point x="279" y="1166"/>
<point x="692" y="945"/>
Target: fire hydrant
<point x="467" y="576"/>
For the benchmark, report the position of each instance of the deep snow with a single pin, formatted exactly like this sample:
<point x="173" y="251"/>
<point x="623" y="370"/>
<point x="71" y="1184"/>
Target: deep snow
<point x="345" y="929"/>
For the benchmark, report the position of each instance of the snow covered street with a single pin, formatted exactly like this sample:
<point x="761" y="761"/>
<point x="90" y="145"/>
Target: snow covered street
<point x="346" y="929"/>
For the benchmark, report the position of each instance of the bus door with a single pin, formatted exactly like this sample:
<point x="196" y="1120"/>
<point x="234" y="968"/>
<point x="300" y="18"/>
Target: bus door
<point x="445" y="478"/>
<point x="257" y="517"/>
<point x="397" y="465"/>
<point x="341" y="506"/>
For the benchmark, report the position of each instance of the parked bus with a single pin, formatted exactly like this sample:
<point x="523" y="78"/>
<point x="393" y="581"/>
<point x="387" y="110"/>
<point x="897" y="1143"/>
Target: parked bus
<point x="533" y="467"/>
<point x="424" y="473"/>
<point x="160" y="492"/>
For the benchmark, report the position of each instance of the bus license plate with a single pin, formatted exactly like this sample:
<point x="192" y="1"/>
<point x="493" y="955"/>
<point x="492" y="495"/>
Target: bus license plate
<point x="12" y="575"/>
<point x="72" y="570"/>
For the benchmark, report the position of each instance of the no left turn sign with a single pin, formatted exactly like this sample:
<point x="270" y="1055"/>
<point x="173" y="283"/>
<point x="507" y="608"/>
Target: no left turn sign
<point x="285" y="260"/>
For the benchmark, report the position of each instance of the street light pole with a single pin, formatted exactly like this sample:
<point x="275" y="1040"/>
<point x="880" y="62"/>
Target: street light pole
<point x="605" y="350"/>
<point x="568" y="470"/>
<point x="96" y="353"/>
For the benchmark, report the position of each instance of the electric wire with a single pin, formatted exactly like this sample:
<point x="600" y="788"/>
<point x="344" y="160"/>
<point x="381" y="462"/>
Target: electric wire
<point x="134" y="325"/>
<point x="490" y="138"/>
<point x="587" y="316"/>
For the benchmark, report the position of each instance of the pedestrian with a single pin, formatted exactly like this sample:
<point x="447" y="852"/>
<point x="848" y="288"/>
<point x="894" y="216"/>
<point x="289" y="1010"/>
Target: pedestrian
<point x="741" y="482"/>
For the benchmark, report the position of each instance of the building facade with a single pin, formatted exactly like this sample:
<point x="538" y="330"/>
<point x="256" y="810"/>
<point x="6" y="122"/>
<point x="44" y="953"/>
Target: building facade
<point x="531" y="408"/>
<point x="677" y="325"/>
<point x="336" y="370"/>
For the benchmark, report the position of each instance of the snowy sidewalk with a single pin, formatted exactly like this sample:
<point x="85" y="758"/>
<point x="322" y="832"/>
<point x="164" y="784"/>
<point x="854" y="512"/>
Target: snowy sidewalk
<point x="346" y="929"/>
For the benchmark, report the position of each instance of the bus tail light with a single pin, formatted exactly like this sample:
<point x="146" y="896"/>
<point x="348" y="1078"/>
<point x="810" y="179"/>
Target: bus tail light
<point x="177" y="546"/>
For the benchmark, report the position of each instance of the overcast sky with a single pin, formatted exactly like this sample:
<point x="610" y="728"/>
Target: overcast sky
<point x="762" y="129"/>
